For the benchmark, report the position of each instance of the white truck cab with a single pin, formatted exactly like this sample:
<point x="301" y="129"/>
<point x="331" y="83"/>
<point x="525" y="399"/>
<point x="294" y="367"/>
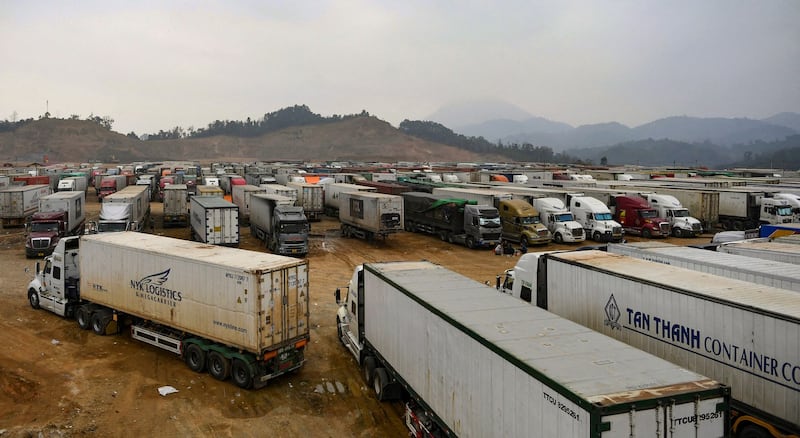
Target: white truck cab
<point x="559" y="220"/>
<point x="596" y="219"/>
<point x="668" y="207"/>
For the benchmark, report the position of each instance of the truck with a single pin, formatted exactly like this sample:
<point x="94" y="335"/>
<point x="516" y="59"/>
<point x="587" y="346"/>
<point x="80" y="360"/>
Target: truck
<point x="19" y="203"/>
<point x="470" y="362"/>
<point x="60" y="214"/>
<point x="176" y="205"/>
<point x="368" y="215"/>
<point x="767" y="272"/>
<point x="282" y="225"/>
<point x="214" y="220"/>
<point x="332" y="192"/>
<point x="451" y="219"/>
<point x="794" y="203"/>
<point x="111" y="184"/>
<point x="741" y="208"/>
<point x="125" y="210"/>
<point x="596" y="219"/>
<point x="637" y="217"/>
<point x="241" y="197"/>
<point x="310" y="197"/>
<point x="681" y="222"/>
<point x="734" y="331"/>
<point x="759" y="248"/>
<point x="227" y="181"/>
<point x="166" y="296"/>
<point x="559" y="220"/>
<point x="73" y="183"/>
<point x="522" y="223"/>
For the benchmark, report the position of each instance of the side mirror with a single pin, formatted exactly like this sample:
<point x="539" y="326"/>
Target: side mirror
<point x="337" y="294"/>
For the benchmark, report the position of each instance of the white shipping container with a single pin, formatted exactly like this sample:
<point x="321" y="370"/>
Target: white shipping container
<point x="264" y="305"/>
<point x="214" y="220"/>
<point x="744" y="335"/>
<point x="280" y="189"/>
<point x="74" y="203"/>
<point x="241" y="197"/>
<point x="334" y="190"/>
<point x="489" y="365"/>
<point x="19" y="202"/>
<point x="775" y="251"/>
<point x="309" y="196"/>
<point x="759" y="271"/>
<point x="376" y="213"/>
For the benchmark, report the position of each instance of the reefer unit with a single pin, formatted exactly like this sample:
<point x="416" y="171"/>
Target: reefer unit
<point x="214" y="220"/>
<point x="744" y="335"/>
<point x="775" y="251"/>
<point x="486" y="364"/>
<point x="759" y="271"/>
<point x="17" y="203"/>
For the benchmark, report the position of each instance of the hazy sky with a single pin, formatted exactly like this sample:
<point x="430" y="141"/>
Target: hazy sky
<point x="154" y="65"/>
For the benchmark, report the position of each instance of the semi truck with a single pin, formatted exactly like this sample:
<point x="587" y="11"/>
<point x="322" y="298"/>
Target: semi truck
<point x="168" y="297"/>
<point x="522" y="223"/>
<point x="214" y="220"/>
<point x="681" y="222"/>
<point x="241" y="197"/>
<point x="111" y="184"/>
<point x="333" y="191"/>
<point x="125" y="210"/>
<point x="368" y="215"/>
<point x="282" y="225"/>
<point x="596" y="219"/>
<point x="60" y="214"/>
<point x="310" y="197"/>
<point x="73" y="183"/>
<point x="759" y="248"/>
<point x="742" y="208"/>
<point x="637" y="217"/>
<point x="767" y="272"/>
<point x="470" y="362"/>
<point x="559" y="220"/>
<point x="19" y="203"/>
<point x="176" y="206"/>
<point x="739" y="333"/>
<point x="451" y="219"/>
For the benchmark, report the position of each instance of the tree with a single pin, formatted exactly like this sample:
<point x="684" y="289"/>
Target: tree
<point x="604" y="161"/>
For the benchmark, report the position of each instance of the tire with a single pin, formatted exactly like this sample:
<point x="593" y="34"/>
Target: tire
<point x="83" y="317"/>
<point x="677" y="232"/>
<point x="218" y="366"/>
<point x="369" y="369"/>
<point x="339" y="331"/>
<point x="557" y="238"/>
<point x="596" y="236"/>
<point x="99" y="322"/>
<point x="753" y="431"/>
<point x="646" y="233"/>
<point x="470" y="242"/>
<point x="33" y="298"/>
<point x="380" y="383"/>
<point x="195" y="358"/>
<point x="738" y="226"/>
<point x="443" y="236"/>
<point x="241" y="374"/>
<point x="524" y="241"/>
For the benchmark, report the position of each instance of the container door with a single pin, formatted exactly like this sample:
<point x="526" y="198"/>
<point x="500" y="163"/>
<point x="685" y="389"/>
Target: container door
<point x="285" y="305"/>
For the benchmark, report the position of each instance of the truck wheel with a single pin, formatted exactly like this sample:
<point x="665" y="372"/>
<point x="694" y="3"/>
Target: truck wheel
<point x="369" y="369"/>
<point x="524" y="241"/>
<point x="380" y="383"/>
<point x="33" y="298"/>
<point x="646" y="233"/>
<point x="83" y="317"/>
<point x="677" y="232"/>
<point x="596" y="236"/>
<point x="470" y="242"/>
<point x="339" y="331"/>
<point x="99" y="323"/>
<point x="242" y="374"/>
<point x="195" y="358"/>
<point x="558" y="238"/>
<point x="753" y="431"/>
<point x="218" y="366"/>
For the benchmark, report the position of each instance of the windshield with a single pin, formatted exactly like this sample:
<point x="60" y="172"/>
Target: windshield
<point x="489" y="222"/>
<point x="111" y="226"/>
<point x="39" y="227"/>
<point x="602" y="216"/>
<point x="563" y="217"/>
<point x="783" y="211"/>
<point x="680" y="213"/>
<point x="529" y="220"/>
<point x="293" y="227"/>
<point x="648" y="214"/>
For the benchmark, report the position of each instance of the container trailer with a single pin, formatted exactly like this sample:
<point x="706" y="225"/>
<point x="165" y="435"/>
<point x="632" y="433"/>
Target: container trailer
<point x="369" y="215"/>
<point x="176" y="206"/>
<point x="452" y="219"/>
<point x="280" y="224"/>
<point x="762" y="249"/>
<point x="60" y="214"/>
<point x="214" y="220"/>
<point x="19" y="203"/>
<point x="310" y="197"/>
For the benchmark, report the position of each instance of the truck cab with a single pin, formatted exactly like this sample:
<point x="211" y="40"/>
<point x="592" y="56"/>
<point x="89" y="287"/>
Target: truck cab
<point x="638" y="217"/>
<point x="521" y="223"/>
<point x="775" y="211"/>
<point x="482" y="224"/>
<point x="44" y="231"/>
<point x="680" y="221"/>
<point x="596" y="219"/>
<point x="291" y="231"/>
<point x="794" y="202"/>
<point x="55" y="286"/>
<point x="559" y="220"/>
<point x="350" y="316"/>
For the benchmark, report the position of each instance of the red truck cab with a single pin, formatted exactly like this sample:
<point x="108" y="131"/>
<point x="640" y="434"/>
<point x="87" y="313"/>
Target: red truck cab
<point x="637" y="217"/>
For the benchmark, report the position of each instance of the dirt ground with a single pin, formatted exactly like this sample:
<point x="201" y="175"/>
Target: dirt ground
<point x="57" y="380"/>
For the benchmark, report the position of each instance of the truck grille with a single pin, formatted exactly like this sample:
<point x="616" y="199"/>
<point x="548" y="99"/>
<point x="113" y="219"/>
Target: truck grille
<point x="664" y="227"/>
<point x="42" y="243"/>
<point x="577" y="232"/>
<point x="544" y="233"/>
<point x="697" y="227"/>
<point x="491" y="236"/>
<point x="616" y="231"/>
